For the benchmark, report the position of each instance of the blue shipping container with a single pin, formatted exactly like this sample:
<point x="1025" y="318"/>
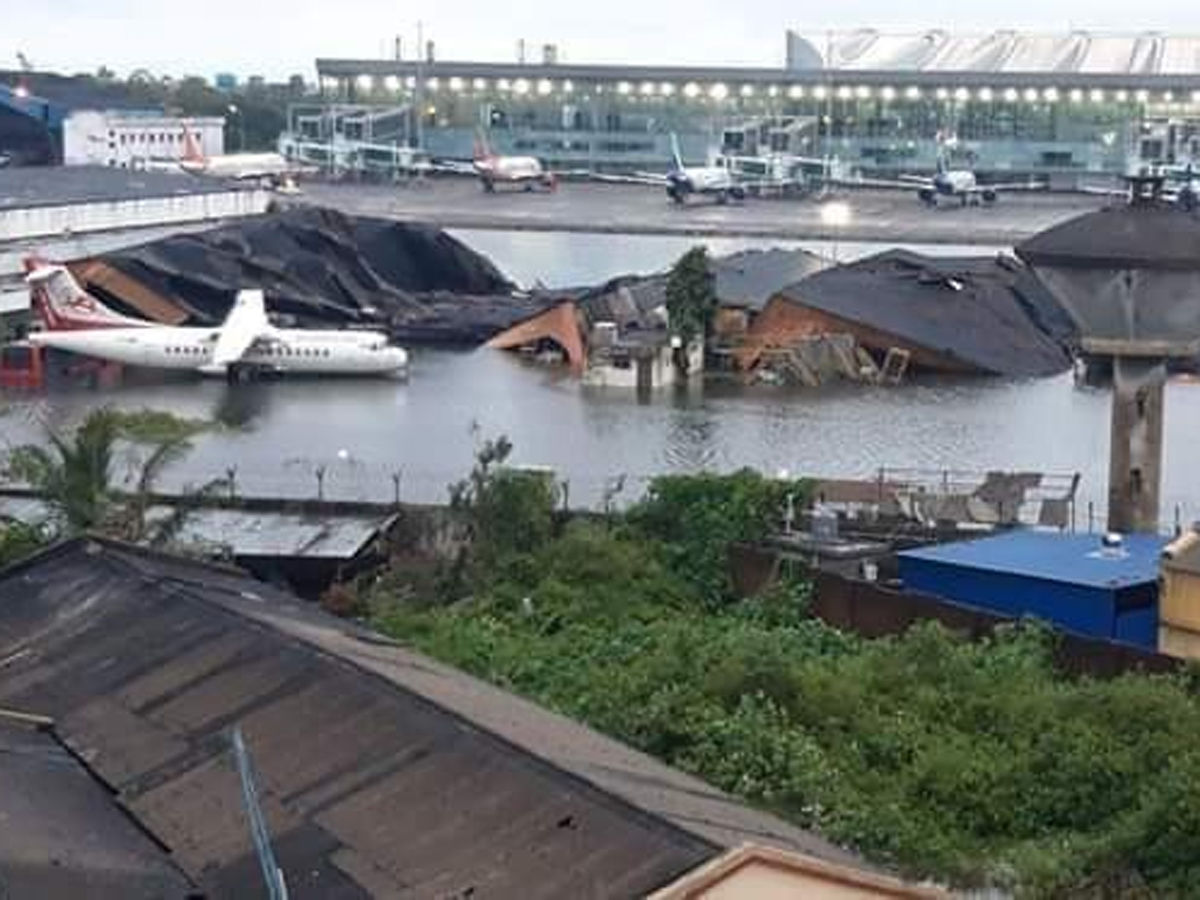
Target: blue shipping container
<point x="1070" y="580"/>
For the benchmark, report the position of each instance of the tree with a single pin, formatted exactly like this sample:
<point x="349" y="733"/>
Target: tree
<point x="691" y="295"/>
<point x="509" y="511"/>
<point x="74" y="473"/>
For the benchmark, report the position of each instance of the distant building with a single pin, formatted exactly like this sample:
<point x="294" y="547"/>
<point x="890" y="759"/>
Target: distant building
<point x="1067" y="107"/>
<point x="128" y="139"/>
<point x="225" y="81"/>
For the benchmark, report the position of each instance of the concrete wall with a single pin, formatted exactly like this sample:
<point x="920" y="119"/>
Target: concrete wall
<point x="662" y="370"/>
<point x="39" y="221"/>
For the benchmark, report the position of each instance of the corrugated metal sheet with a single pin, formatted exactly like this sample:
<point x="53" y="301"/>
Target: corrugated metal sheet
<point x="382" y="772"/>
<point x="250" y="533"/>
<point x="1147" y="53"/>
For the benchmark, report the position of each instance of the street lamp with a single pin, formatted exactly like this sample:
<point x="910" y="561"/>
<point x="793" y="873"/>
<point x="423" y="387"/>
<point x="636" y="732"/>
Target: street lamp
<point x="836" y="215"/>
<point x="234" y="111"/>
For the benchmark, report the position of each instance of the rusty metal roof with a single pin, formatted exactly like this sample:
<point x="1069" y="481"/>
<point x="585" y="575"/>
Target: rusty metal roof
<point x="382" y="772"/>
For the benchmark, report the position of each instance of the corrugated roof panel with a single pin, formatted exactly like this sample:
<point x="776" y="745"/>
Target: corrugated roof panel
<point x="248" y="533"/>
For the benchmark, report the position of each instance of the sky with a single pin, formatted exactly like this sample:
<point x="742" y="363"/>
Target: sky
<point x="277" y="38"/>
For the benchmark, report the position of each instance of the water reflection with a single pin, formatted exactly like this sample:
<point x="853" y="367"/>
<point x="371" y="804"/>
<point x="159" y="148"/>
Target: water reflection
<point x="284" y="430"/>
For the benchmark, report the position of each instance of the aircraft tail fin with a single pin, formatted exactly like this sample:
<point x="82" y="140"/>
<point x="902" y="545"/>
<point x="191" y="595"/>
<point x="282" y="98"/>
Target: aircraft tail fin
<point x="483" y="147"/>
<point x="247" y="322"/>
<point x="191" y="149"/>
<point x="61" y="304"/>
<point x="676" y="156"/>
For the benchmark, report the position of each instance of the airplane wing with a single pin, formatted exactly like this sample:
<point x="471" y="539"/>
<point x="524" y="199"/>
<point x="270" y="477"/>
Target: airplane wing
<point x="651" y="178"/>
<point x="452" y="167"/>
<point x="904" y="183"/>
<point x="245" y="324"/>
<point x="1011" y="186"/>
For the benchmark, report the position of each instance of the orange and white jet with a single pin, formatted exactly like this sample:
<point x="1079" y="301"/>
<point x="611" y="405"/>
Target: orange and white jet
<point x="272" y="167"/>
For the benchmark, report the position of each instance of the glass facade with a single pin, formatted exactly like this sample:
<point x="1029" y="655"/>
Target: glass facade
<point x="623" y="120"/>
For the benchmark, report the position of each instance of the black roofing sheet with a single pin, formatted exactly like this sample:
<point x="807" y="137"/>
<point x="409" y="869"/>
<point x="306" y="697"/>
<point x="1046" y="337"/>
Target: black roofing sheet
<point x="322" y="265"/>
<point x="381" y="773"/>
<point x="987" y="312"/>
<point x="752" y="277"/>
<point x="1151" y="235"/>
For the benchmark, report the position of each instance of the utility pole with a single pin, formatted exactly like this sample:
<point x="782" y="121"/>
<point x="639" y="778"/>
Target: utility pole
<point x="419" y="93"/>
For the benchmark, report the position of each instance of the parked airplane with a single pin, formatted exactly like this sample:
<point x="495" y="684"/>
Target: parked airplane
<point x="949" y="184"/>
<point x="270" y="167"/>
<point x="245" y="342"/>
<point x="681" y="181"/>
<point x="1180" y="185"/>
<point x="493" y="169"/>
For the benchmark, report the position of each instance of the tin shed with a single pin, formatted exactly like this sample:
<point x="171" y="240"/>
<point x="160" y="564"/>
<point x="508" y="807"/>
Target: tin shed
<point x="1074" y="581"/>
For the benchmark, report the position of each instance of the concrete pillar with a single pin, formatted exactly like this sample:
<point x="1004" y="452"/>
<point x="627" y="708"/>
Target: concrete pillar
<point x="1135" y="460"/>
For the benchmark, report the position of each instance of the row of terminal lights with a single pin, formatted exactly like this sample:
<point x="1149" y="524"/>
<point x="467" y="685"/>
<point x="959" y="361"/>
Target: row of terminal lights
<point x="720" y="91"/>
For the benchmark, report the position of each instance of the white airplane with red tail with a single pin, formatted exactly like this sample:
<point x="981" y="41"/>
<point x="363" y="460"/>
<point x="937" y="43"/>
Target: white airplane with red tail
<point x="272" y="167"/>
<point x="246" y="342"/>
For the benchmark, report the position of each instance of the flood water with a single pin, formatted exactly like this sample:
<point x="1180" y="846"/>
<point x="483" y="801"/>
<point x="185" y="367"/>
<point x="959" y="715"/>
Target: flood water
<point x="424" y="430"/>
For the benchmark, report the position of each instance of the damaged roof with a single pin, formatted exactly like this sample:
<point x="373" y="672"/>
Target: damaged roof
<point x="381" y="772"/>
<point x="990" y="313"/>
<point x="752" y="277"/>
<point x="1140" y="235"/>
<point x="251" y="533"/>
<point x="63" y="833"/>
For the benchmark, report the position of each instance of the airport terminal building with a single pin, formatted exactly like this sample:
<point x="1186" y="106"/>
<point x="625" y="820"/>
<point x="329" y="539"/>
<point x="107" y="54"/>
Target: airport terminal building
<point x="1066" y="106"/>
